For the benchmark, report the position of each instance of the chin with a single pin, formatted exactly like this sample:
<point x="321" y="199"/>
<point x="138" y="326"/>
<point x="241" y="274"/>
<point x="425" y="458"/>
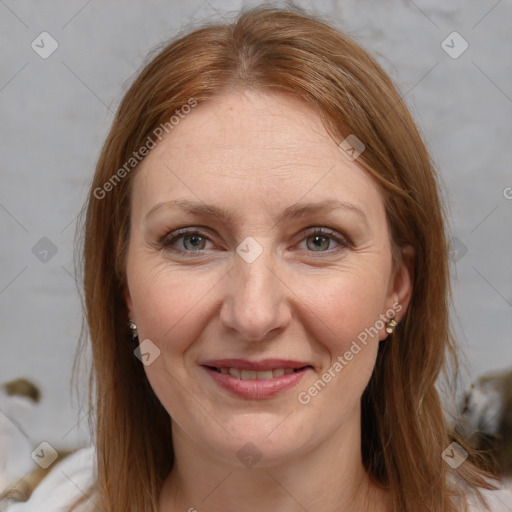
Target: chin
<point x="265" y="440"/>
<point x="258" y="451"/>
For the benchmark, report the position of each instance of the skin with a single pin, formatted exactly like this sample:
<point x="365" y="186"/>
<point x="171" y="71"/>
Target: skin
<point x="256" y="154"/>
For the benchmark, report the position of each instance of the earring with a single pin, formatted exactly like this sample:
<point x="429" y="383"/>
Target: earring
<point x="391" y="326"/>
<point x="133" y="327"/>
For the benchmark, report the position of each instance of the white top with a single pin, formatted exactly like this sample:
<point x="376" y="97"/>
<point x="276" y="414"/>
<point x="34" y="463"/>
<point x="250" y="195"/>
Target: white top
<point x="498" y="501"/>
<point x="66" y="482"/>
<point x="69" y="479"/>
<point x="15" y="447"/>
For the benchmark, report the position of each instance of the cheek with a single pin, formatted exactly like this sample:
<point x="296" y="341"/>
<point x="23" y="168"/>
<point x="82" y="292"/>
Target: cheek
<point x="173" y="306"/>
<point x="345" y="306"/>
<point x="170" y="305"/>
<point x="171" y="310"/>
<point x="346" y="323"/>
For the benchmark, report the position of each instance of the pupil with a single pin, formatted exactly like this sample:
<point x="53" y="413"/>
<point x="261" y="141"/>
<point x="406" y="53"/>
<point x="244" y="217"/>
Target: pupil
<point x="194" y="239"/>
<point x="318" y="240"/>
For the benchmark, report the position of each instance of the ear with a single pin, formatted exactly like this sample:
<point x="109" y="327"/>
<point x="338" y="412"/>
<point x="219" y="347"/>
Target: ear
<point x="129" y="303"/>
<point x="401" y="283"/>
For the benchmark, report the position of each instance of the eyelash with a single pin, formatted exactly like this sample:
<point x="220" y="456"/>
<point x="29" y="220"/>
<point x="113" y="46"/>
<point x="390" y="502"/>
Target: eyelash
<point x="165" y="242"/>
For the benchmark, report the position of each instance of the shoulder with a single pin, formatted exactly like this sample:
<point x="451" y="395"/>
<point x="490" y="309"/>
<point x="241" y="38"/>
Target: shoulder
<point x="65" y="483"/>
<point x="499" y="500"/>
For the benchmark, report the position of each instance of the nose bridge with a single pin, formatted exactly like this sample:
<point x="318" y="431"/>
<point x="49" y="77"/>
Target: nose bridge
<point x="255" y="303"/>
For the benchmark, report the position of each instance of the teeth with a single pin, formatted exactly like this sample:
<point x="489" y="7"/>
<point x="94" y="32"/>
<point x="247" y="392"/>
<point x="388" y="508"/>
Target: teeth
<point x="264" y="375"/>
<point x="235" y="372"/>
<point x="247" y="375"/>
<point x="256" y="375"/>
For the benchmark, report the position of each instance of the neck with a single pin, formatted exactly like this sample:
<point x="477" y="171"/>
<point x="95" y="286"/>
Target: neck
<point x="328" y="477"/>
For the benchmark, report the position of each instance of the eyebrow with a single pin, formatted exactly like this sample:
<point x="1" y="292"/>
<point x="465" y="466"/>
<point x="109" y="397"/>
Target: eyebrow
<point x="294" y="211"/>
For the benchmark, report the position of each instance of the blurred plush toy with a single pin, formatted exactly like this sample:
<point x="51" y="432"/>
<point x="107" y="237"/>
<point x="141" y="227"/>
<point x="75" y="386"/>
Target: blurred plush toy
<point x="486" y="421"/>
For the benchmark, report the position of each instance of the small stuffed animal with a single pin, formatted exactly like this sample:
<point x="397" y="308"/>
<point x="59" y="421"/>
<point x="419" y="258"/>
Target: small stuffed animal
<point x="486" y="419"/>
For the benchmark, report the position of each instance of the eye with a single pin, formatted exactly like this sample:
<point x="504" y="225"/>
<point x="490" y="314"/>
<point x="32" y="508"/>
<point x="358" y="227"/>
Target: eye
<point x="319" y="240"/>
<point x="193" y="241"/>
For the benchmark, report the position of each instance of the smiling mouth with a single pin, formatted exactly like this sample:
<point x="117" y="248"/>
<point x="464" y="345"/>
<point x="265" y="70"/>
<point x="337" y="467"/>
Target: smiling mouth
<point x="256" y="380"/>
<point x="241" y="374"/>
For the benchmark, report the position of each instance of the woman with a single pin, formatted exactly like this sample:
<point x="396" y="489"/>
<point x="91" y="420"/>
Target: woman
<point x="265" y="225"/>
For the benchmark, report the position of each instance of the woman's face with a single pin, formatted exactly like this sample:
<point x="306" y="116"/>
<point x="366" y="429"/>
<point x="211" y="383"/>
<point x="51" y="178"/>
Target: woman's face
<point x="260" y="330"/>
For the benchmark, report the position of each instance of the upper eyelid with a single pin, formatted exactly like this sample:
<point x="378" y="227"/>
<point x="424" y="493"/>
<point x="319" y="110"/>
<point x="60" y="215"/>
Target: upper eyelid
<point x="178" y="233"/>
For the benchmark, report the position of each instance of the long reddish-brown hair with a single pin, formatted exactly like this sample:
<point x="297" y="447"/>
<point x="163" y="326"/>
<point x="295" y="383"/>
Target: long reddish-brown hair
<point x="404" y="426"/>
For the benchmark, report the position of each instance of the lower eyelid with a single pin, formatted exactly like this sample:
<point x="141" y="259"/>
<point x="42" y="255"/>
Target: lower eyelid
<point x="167" y="244"/>
<point x="342" y="243"/>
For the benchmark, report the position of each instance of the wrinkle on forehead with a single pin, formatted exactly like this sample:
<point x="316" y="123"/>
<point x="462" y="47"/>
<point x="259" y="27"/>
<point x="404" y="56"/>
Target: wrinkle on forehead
<point x="243" y="146"/>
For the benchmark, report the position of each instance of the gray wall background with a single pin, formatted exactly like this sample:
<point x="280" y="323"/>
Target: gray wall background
<point x="56" y="113"/>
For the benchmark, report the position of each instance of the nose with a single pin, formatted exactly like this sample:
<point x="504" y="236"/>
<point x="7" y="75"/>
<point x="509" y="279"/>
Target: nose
<point x="256" y="304"/>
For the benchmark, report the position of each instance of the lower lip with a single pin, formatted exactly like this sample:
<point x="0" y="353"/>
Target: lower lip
<point x="256" y="389"/>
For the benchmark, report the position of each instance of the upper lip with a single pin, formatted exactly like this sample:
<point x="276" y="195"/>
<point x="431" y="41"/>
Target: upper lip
<point x="245" y="364"/>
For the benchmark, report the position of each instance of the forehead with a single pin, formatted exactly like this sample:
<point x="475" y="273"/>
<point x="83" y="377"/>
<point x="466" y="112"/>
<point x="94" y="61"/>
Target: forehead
<point x="242" y="146"/>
